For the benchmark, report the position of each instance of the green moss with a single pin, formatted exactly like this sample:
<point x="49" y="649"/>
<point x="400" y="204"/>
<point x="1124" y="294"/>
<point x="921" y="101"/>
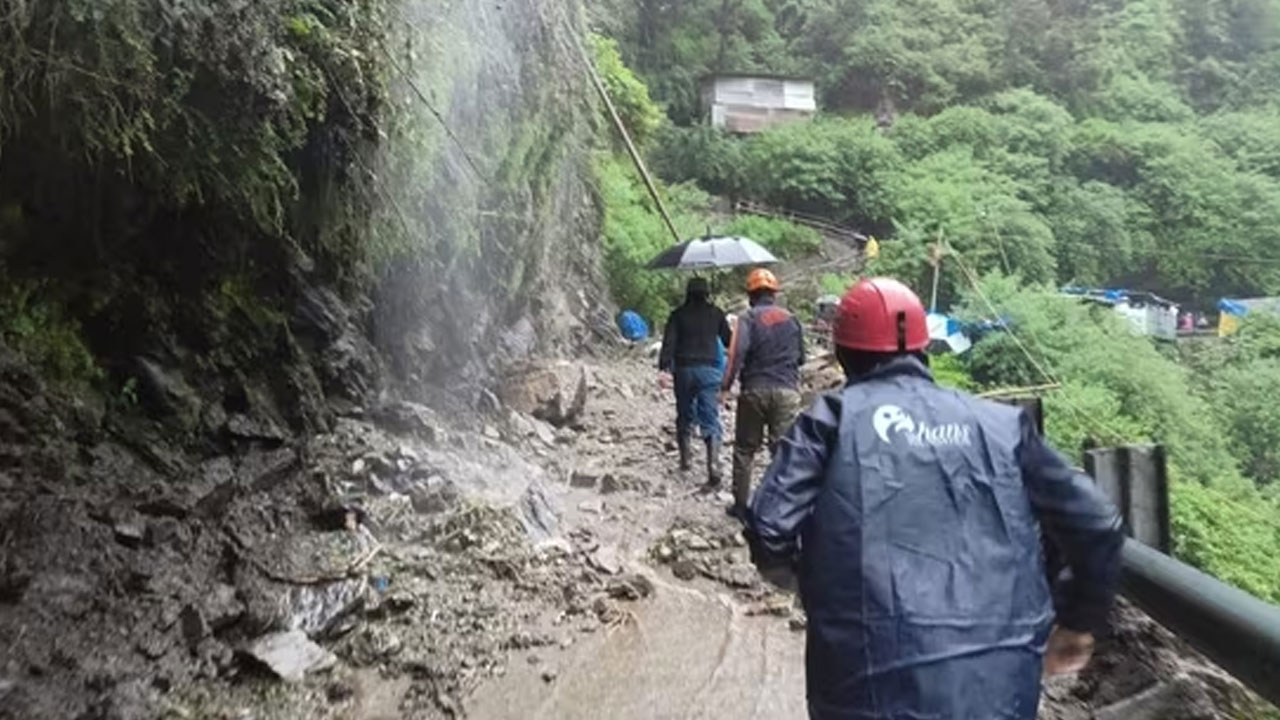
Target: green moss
<point x="37" y="326"/>
<point x="237" y="295"/>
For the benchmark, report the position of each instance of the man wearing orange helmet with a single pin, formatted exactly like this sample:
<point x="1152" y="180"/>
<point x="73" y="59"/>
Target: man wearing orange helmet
<point x="912" y="514"/>
<point x="766" y="353"/>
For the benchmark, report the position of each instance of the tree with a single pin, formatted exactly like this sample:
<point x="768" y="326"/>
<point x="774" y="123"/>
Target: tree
<point x="674" y="45"/>
<point x="639" y="114"/>
<point x="1141" y="395"/>
<point x="914" y="54"/>
<point x="843" y="169"/>
<point x="950" y="196"/>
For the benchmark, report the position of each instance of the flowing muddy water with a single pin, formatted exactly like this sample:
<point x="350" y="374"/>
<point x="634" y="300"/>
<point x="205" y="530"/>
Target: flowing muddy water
<point x="688" y="653"/>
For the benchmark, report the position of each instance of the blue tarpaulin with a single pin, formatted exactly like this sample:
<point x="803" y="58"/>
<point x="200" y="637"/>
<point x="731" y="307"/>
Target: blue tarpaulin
<point x="1231" y="307"/>
<point x="948" y="332"/>
<point x="632" y="326"/>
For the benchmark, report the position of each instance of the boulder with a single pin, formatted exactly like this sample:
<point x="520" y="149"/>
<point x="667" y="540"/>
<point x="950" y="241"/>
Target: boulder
<point x="221" y="607"/>
<point x="317" y="609"/>
<point x="291" y="655"/>
<point x="409" y="418"/>
<point x="262" y="469"/>
<point x="130" y="533"/>
<point x="166" y="393"/>
<point x="607" y="560"/>
<point x="434" y="495"/>
<point x="256" y="428"/>
<point x="685" y="570"/>
<point x="631" y="587"/>
<point x="556" y="394"/>
<point x="194" y="626"/>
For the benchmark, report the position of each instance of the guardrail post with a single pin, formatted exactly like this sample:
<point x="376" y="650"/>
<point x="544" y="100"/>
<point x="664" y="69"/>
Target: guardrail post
<point x="1136" y="479"/>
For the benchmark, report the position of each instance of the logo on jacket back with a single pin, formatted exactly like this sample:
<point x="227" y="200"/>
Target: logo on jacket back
<point x="891" y="420"/>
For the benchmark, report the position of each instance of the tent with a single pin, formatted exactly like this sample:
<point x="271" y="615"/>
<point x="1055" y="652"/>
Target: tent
<point x="946" y="334"/>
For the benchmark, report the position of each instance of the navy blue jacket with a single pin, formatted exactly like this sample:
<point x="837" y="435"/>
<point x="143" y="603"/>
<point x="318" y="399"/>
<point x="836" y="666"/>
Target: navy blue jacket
<point x="695" y="333"/>
<point x="916" y="515"/>
<point x="767" y="350"/>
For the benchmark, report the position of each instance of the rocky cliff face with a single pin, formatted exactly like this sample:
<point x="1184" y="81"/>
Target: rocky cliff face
<point x="390" y="196"/>
<point x="501" y="263"/>
<point x="377" y="199"/>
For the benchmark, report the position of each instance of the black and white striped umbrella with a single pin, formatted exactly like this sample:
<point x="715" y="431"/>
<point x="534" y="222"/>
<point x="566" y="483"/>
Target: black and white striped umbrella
<point x="712" y="252"/>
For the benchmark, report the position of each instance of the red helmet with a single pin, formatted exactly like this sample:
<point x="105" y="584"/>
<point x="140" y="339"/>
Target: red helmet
<point x="881" y="315"/>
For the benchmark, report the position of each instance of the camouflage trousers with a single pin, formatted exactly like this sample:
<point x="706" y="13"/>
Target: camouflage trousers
<point x="765" y="412"/>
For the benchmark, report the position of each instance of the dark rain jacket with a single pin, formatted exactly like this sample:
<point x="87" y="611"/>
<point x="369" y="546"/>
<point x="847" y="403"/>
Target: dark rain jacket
<point x="916" y="514"/>
<point x="767" y="349"/>
<point x="693" y="336"/>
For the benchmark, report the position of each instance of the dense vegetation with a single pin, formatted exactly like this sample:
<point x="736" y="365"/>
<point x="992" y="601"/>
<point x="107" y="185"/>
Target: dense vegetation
<point x="181" y="181"/>
<point x="1208" y="404"/>
<point x="1044" y="143"/>
<point x="1104" y="143"/>
<point x="161" y="167"/>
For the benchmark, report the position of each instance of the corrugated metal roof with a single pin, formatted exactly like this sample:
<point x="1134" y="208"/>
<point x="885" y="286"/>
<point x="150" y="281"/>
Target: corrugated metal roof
<point x="760" y="75"/>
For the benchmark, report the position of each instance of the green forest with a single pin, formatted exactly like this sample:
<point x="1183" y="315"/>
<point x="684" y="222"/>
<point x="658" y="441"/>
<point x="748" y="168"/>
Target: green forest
<point x="1045" y="143"/>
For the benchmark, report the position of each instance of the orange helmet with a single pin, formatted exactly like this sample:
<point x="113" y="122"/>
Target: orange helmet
<point x="762" y="279"/>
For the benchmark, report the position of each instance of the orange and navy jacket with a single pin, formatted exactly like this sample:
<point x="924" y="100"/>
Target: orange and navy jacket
<point x="767" y="349"/>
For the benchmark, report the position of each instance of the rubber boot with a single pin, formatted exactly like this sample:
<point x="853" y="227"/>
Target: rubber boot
<point x="714" y="474"/>
<point x="742" y="462"/>
<point x="686" y="454"/>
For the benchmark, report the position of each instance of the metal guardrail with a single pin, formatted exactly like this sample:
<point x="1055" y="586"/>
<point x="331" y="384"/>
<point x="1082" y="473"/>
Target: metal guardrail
<point x="1236" y="630"/>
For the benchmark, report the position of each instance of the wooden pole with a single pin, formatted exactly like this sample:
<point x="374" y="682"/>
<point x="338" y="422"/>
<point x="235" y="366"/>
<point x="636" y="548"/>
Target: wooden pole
<point x="626" y="139"/>
<point x="936" y="257"/>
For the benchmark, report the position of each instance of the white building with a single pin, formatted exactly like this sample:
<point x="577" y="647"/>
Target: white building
<point x="746" y="103"/>
<point x="1151" y="316"/>
<point x="1148" y="314"/>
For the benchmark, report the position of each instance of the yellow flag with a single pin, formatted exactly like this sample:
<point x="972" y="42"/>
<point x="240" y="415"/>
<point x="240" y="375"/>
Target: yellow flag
<point x="872" y="250"/>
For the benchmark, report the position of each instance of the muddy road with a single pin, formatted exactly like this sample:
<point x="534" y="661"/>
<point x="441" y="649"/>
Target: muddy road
<point x="412" y="564"/>
<point x="712" y="641"/>
<point x="686" y="654"/>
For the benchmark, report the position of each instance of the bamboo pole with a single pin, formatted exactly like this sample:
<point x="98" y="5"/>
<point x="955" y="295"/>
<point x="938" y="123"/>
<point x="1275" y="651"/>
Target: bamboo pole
<point x="626" y="139"/>
<point x="1004" y="392"/>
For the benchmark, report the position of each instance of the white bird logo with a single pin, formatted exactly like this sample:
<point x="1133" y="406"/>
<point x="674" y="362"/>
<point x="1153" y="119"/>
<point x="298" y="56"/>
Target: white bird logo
<point x="892" y="417"/>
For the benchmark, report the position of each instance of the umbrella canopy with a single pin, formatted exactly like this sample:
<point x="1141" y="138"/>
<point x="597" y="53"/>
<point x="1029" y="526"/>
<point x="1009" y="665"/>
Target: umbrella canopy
<point x="712" y="252"/>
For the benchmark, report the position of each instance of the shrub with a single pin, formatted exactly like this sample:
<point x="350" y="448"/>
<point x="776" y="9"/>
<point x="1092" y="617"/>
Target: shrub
<point x="784" y="239"/>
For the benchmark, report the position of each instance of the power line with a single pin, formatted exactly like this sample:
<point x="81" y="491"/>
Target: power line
<point x="973" y="282"/>
<point x="475" y="167"/>
<point x="1173" y="254"/>
<point x="1084" y="415"/>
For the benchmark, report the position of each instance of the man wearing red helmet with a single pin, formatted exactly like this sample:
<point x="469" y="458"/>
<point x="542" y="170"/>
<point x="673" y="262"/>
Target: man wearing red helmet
<point x="914" y="515"/>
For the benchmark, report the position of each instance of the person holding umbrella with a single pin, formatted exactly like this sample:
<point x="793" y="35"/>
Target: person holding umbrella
<point x="691" y="353"/>
<point x="766" y="352"/>
<point x="692" y="336"/>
